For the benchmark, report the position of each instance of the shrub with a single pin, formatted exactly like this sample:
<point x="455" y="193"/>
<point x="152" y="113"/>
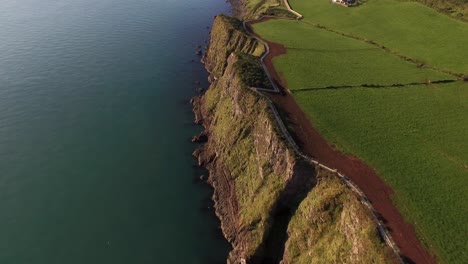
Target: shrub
<point x="251" y="72"/>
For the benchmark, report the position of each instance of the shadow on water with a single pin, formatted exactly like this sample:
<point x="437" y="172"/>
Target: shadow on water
<point x="272" y="249"/>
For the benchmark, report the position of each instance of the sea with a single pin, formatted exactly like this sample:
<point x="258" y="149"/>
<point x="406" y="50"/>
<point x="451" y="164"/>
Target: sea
<point x="95" y="129"/>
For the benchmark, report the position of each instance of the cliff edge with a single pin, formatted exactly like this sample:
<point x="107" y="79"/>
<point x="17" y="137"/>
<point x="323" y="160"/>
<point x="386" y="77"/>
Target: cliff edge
<point x="274" y="207"/>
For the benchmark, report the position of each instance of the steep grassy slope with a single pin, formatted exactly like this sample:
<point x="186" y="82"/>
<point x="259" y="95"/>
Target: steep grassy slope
<point x="249" y="163"/>
<point x="230" y="37"/>
<point x="249" y="154"/>
<point x="331" y="226"/>
<point x="253" y="171"/>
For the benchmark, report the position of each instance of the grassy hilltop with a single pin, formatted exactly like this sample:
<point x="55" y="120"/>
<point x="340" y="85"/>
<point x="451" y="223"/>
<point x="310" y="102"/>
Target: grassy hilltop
<point x="382" y="81"/>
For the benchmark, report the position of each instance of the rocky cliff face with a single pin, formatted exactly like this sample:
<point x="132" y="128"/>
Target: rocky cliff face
<point x="228" y="36"/>
<point x="249" y="164"/>
<point x="258" y="182"/>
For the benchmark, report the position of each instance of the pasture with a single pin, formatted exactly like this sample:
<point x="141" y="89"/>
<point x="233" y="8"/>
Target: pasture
<point x="317" y="58"/>
<point x="409" y="28"/>
<point x="416" y="138"/>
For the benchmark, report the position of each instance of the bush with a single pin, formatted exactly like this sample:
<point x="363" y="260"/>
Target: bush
<point x="251" y="72"/>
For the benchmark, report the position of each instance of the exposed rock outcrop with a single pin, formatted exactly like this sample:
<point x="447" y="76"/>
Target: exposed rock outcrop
<point x="228" y="36"/>
<point x="248" y="162"/>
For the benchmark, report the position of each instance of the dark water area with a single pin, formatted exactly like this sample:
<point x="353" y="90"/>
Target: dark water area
<point x="95" y="127"/>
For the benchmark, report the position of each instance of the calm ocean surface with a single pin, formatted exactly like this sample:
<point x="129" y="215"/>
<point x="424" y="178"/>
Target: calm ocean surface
<point x="95" y="127"/>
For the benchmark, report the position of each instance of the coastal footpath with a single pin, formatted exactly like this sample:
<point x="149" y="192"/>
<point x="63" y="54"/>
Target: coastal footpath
<point x="274" y="207"/>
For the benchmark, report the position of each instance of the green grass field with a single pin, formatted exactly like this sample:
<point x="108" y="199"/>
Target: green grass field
<point x="410" y="28"/>
<point x="415" y="136"/>
<point x="317" y="58"/>
<point x="417" y="140"/>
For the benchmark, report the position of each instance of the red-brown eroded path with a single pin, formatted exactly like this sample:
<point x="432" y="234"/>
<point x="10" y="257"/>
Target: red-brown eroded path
<point x="314" y="145"/>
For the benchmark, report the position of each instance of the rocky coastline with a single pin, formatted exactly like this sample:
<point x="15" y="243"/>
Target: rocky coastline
<point x="258" y="182"/>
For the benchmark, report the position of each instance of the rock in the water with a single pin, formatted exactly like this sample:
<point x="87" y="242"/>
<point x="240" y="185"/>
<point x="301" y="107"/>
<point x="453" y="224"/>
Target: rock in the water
<point x="202" y="137"/>
<point x="196" y="153"/>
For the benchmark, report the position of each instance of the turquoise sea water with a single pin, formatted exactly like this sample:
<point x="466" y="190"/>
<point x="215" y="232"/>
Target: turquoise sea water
<point x="95" y="157"/>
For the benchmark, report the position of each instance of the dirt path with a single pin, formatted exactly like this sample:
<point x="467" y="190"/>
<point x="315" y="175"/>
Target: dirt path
<point x="314" y="145"/>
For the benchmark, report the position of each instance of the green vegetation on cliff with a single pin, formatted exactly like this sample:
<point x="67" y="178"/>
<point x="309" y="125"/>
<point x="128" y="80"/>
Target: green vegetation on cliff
<point x="253" y="156"/>
<point x="230" y="37"/>
<point x="251" y="72"/>
<point x="251" y="167"/>
<point x="332" y="226"/>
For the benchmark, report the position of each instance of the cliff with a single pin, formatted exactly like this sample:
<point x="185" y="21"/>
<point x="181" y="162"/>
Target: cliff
<point x="264" y="195"/>
<point x="249" y="164"/>
<point x="230" y="36"/>
<point x="332" y="226"/>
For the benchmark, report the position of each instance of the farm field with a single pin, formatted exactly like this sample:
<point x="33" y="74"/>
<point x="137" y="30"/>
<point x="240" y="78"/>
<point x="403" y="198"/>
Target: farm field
<point x="414" y="135"/>
<point x="416" y="139"/>
<point x="410" y="28"/>
<point x="317" y="58"/>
